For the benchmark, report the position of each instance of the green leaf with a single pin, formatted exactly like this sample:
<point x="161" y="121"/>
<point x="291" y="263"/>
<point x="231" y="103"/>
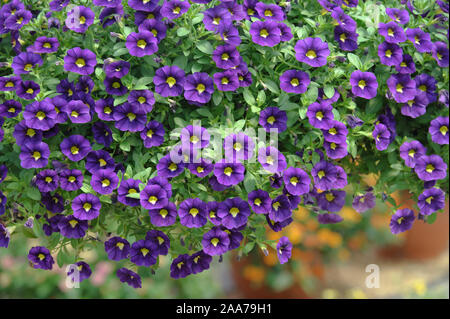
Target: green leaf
<point x="248" y="97"/>
<point x="249" y="182"/>
<point x="272" y="86"/>
<point x="34" y="193"/>
<point x="180" y="61"/>
<point x="181" y="32"/>
<point x="248" y="247"/>
<point x="355" y="60"/>
<point x="329" y="91"/>
<point x="205" y="47"/>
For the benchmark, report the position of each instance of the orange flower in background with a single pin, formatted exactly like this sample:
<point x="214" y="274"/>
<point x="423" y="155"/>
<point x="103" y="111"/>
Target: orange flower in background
<point x="349" y="214"/>
<point x="295" y="233"/>
<point x="311" y="241"/>
<point x="380" y="221"/>
<point x="312" y="224"/>
<point x="357" y="241"/>
<point x="330" y="238"/>
<point x="254" y="273"/>
<point x="344" y="254"/>
<point x="301" y="214"/>
<point x="271" y="259"/>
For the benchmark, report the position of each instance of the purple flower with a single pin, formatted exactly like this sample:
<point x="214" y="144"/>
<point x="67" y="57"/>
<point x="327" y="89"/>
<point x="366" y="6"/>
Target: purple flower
<point x="430" y="168"/>
<point x="344" y="20"/>
<point x="229" y="33"/>
<point x="143" y="99"/>
<point x="144" y="253"/>
<point x="337" y="133"/>
<point x="440" y="53"/>
<point x="17" y="20"/>
<point x="331" y="201"/>
<point x="174" y="9"/>
<point x="280" y="209"/>
<point x="141" y="44"/>
<point x="336" y="150"/>
<point x="28" y="90"/>
<point x="143" y="5"/>
<point x="398" y="15"/>
<point x="71" y="227"/>
<point x="215" y="16"/>
<point x="402" y="87"/>
<point x="104" y="181"/>
<point x="202" y="168"/>
<point x="75" y="147"/>
<point x="157" y="27"/>
<point x="273" y="118"/>
<point x="44" y="45"/>
<point x="104" y="109"/>
<point x="47" y="181"/>
<point x="199" y="261"/>
<point x="322" y="98"/>
<point x="40" y="115"/>
<point x="236" y="10"/>
<point x="3" y="172"/>
<point x="162" y="241"/>
<point x="86" y="207"/>
<point x="294" y="81"/>
<point x="193" y="213"/>
<point x="417" y="106"/>
<point x="80" y="18"/>
<point x="324" y="175"/>
<point x="265" y="33"/>
<point x="364" y="84"/>
<point x="229" y="173"/>
<point x="70" y="179"/>
<point x="212" y="208"/>
<point x="260" y="201"/>
<point x="439" y="130"/>
<point x="233" y="212"/>
<point x="153" y="134"/>
<point x="347" y="40"/>
<point x="97" y="160"/>
<point x="392" y="32"/>
<point x="34" y="155"/>
<point x="312" y="51"/>
<point x="284" y="249"/>
<point x="3" y="200"/>
<point x="407" y="66"/>
<point x="226" y="56"/>
<point x="81" y="61"/>
<point x="114" y="86"/>
<point x="168" y="168"/>
<point x="227" y="80"/>
<point x="83" y="272"/>
<point x="390" y="54"/>
<point x="41" y="258"/>
<point x="271" y="159"/>
<point x="153" y="197"/>
<point x="127" y="187"/>
<point x="169" y="81"/>
<point x="278" y="226"/>
<point x="116" y="69"/>
<point x="411" y="151"/>
<point x="320" y="115"/>
<point x="129" y="117"/>
<point x="286" y="33"/>
<point x="431" y="200"/>
<point x="26" y="135"/>
<point x="198" y="87"/>
<point x="117" y="248"/>
<point x="420" y="39"/>
<point x="126" y="275"/>
<point x="102" y="133"/>
<point x="165" y="216"/>
<point x="4" y="236"/>
<point x="215" y="242"/>
<point x="180" y="267"/>
<point x="9" y="83"/>
<point x="402" y="221"/>
<point x="297" y="181"/>
<point x="329" y="218"/>
<point x="238" y="147"/>
<point x="364" y="202"/>
<point x="77" y="111"/>
<point x="270" y="11"/>
<point x="194" y="137"/>
<point x="382" y="136"/>
<point x="427" y="84"/>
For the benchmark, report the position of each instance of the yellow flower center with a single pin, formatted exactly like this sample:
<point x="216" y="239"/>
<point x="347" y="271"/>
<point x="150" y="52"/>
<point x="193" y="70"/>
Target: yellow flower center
<point x="30" y="91"/>
<point x="163" y="212"/>
<point x="71" y="179"/>
<point x="269" y="160"/>
<point x="73" y="223"/>
<point x="144" y="251"/>
<point x="362" y="84"/>
<point x="82" y="20"/>
<point x="343" y="37"/>
<point x="87" y="206"/>
<point x="271" y="120"/>
<point x="429" y="199"/>
<point x="173" y="167"/>
<point x="116" y="85"/>
<point x="225" y="56"/>
<point x="237" y="146"/>
<point x="200" y="88"/>
<point x="107" y="110"/>
<point x="263" y="33"/>
<point x="399" y="88"/>
<point x="106" y="182"/>
<point x="28" y="67"/>
<point x="152" y="199"/>
<point x="120" y="245"/>
<point x="36" y="155"/>
<point x="215" y="241"/>
<point x="294" y="180"/>
<point x="149" y="133"/>
<point x="430" y="168"/>
<point x="294" y="82"/>
<point x="41" y="256"/>
<point x="176" y="10"/>
<point x="47" y="45"/>
<point x="403" y="65"/>
<point x="40" y="115"/>
<point x="74" y="114"/>
<point x="423" y="87"/>
<point x="276" y="205"/>
<point x="200" y="169"/>
<point x="131" y="116"/>
<point x="330" y="197"/>
<point x="132" y="191"/>
<point x="31" y="132"/>
<point x="321" y="174"/>
<point x="332" y="131"/>
<point x="142" y="99"/>
<point x="257" y="202"/>
<point x="74" y="150"/>
<point x="333" y="146"/>
<point x="102" y="162"/>
<point x="227" y="171"/>
<point x="411" y="153"/>
<point x="80" y="62"/>
<point x="194" y="139"/>
<point x="171" y="81"/>
<point x="141" y="44"/>
<point x="234" y="211"/>
<point x="390" y="32"/>
<point x="224" y="80"/>
<point x="311" y="54"/>
<point x="216" y="21"/>
<point x="319" y="116"/>
<point x="443" y="130"/>
<point x="48" y="179"/>
<point x="388" y="53"/>
<point x="9" y="84"/>
<point x="193" y="212"/>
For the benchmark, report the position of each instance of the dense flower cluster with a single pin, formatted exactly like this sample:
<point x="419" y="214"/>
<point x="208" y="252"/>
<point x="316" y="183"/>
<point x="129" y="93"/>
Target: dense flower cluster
<point x="92" y="95"/>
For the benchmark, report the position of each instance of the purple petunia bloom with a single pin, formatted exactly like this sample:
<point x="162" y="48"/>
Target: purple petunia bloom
<point x="129" y="117"/>
<point x="128" y="276"/>
<point x="439" y="130"/>
<point x="9" y="83"/>
<point x="104" y="181"/>
<point x="364" y="84"/>
<point x="77" y="111"/>
<point x="273" y="118"/>
<point x="17" y="20"/>
<point x="194" y="137"/>
<point x="331" y="201"/>
<point x="153" y="197"/>
<point x="297" y="181"/>
<point x="271" y="159"/>
<point x="157" y="27"/>
<point x="431" y="200"/>
<point x="215" y="16"/>
<point x="324" y="175"/>
<point x="322" y="98"/>
<point x="163" y="182"/>
<point x="202" y="168"/>
<point x="286" y="33"/>
<point x="102" y="133"/>
<point x="238" y="147"/>
<point x="294" y="81"/>
<point x="44" y="45"/>
<point x="141" y="44"/>
<point x="402" y="221"/>
<point x="34" y="155"/>
<point x="169" y="81"/>
<point x="86" y="207"/>
<point x="227" y="80"/>
<point x="215" y="242"/>
<point x="265" y="33"/>
<point x="80" y="18"/>
<point x="440" y="54"/>
<point x="390" y="54"/>
<point x="212" y="208"/>
<point x="75" y="147"/>
<point x="284" y="249"/>
<point x="320" y="115"/>
<point x="270" y="11"/>
<point x="97" y="160"/>
<point x="28" y="90"/>
<point x="336" y="150"/>
<point x="229" y="173"/>
<point x="260" y="201"/>
<point x="199" y="262"/>
<point x="364" y="202"/>
<point x="337" y="133"/>
<point x="40" y="115"/>
<point x="165" y="216"/>
<point x="392" y="32"/>
<point x="3" y="201"/>
<point x="382" y="136"/>
<point x="83" y="271"/>
<point x="229" y="33"/>
<point x="198" y="87"/>
<point x="427" y="84"/>
<point x="47" y="180"/>
<point x="144" y="253"/>
<point x="174" y="8"/>
<point x="407" y="66"/>
<point x="420" y="39"/>
<point x="81" y="61"/>
<point x="180" y="267"/>
<point x="70" y="179"/>
<point x="114" y="86"/>
<point x="430" y="168"/>
<point x="347" y="40"/>
<point x="280" y="209"/>
<point x="344" y="20"/>
<point x="104" y="109"/>
<point x="153" y="134"/>
<point x="127" y="187"/>
<point x="117" y="248"/>
<point x="329" y="218"/>
<point x="71" y="227"/>
<point x="278" y="226"/>
<point x="233" y="212"/>
<point x="162" y="241"/>
<point x="193" y="213"/>
<point x="41" y="258"/>
<point x="226" y="56"/>
<point x="398" y="15"/>
<point x="24" y="62"/>
<point x="168" y="168"/>
<point x="144" y="99"/>
<point x="116" y="69"/>
<point x="411" y="151"/>
<point x="402" y="87"/>
<point x="312" y="51"/>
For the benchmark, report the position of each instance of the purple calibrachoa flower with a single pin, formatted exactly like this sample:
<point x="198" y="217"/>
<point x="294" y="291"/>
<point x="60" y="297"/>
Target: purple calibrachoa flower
<point x="320" y="115"/>
<point x="344" y="20"/>
<point x="98" y="160"/>
<point x="323" y="98"/>
<point x="402" y="221"/>
<point x="142" y="43"/>
<point x="117" y="248"/>
<point x="417" y="106"/>
<point x="280" y="209"/>
<point x="143" y="5"/>
<point x="420" y="39"/>
<point x="364" y="202"/>
<point x="411" y="151"/>
<point x="347" y="40"/>
<point x="28" y="90"/>
<point x="9" y="83"/>
<point x="229" y="173"/>
<point x="153" y="134"/>
<point x="235" y="237"/>
<point x="70" y="179"/>
<point x="169" y="81"/>
<point x="439" y="130"/>
<point x="215" y="16"/>
<point x="153" y="197"/>
<point x="382" y="136"/>
<point x="86" y="207"/>
<point x="236" y="10"/>
<point x="407" y="66"/>
<point x="3" y="172"/>
<point x="233" y="212"/>
<point x="104" y="181"/>
<point x="41" y="258"/>
<point x="260" y="201"/>
<point x="270" y="11"/>
<point x="286" y="33"/>
<point x="212" y="208"/>
<point x="398" y="15"/>
<point x="129" y="117"/>
<point x="430" y="168"/>
<point x="180" y="267"/>
<point x="238" y="147"/>
<point x="128" y="187"/>
<point x="271" y="159"/>
<point x="72" y="227"/>
<point x="278" y="226"/>
<point x="81" y="61"/>
<point x="75" y="147"/>
<point x="273" y="118"/>
<point x="337" y="133"/>
<point x="102" y="133"/>
<point x="143" y="99"/>
<point x="284" y="249"/>
<point x="104" y="109"/>
<point x="3" y="201"/>
<point x="312" y="51"/>
<point x="265" y="33"/>
<point x="157" y="27"/>
<point x="364" y="84"/>
<point x="194" y="137"/>
<point x="324" y="175"/>
<point x="193" y="213"/>
<point x="107" y="3"/>
<point x="202" y="168"/>
<point x="77" y="111"/>
<point x="58" y="103"/>
<point x="440" y="54"/>
<point x="402" y="87"/>
<point x="329" y="218"/>
<point x="297" y="181"/>
<point x="336" y="150"/>
<point x="144" y="253"/>
<point x="80" y="18"/>
<point x="215" y="242"/>
<point x="128" y="276"/>
<point x="162" y="241"/>
<point x="83" y="272"/>
<point x="331" y="201"/>
<point x="294" y="81"/>
<point x="199" y="262"/>
<point x="390" y="54"/>
<point x="114" y="86"/>
<point x="34" y="155"/>
<point x="116" y="69"/>
<point x="44" y="45"/>
<point x="226" y="56"/>
<point x="47" y="180"/>
<point x="40" y="115"/>
<point x="198" y="87"/>
<point x="25" y="62"/>
<point x="227" y="80"/>
<point x="174" y="9"/>
<point x="431" y="200"/>
<point x="392" y="32"/>
<point x="168" y="168"/>
<point x="165" y="216"/>
<point x="17" y="20"/>
<point x="229" y="33"/>
<point x="427" y="84"/>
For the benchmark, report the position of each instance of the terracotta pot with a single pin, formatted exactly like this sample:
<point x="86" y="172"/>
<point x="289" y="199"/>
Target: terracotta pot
<point x="423" y="240"/>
